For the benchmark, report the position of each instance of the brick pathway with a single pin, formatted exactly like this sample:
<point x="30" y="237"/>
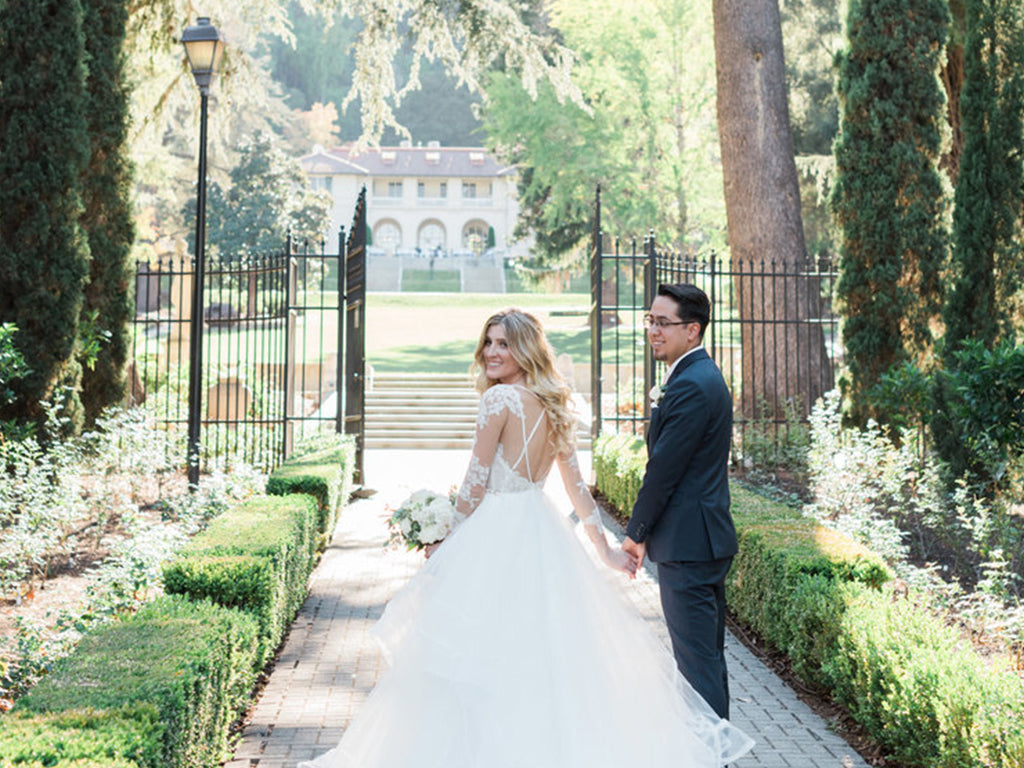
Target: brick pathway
<point x="329" y="663"/>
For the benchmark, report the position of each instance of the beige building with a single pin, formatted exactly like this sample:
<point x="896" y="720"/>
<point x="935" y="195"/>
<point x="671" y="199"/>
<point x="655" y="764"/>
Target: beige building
<point x="421" y="201"/>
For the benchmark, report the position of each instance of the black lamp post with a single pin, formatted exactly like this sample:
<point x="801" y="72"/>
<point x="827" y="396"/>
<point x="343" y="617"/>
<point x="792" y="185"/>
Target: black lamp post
<point x="203" y="47"/>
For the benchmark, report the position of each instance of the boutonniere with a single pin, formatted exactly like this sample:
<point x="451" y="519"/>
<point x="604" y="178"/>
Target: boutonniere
<point x="655" y="395"/>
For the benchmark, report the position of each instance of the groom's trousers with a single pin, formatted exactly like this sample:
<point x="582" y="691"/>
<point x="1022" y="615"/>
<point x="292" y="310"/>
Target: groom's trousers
<point x="693" y="599"/>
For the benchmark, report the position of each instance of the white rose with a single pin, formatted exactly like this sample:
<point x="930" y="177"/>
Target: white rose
<point x="405" y="525"/>
<point x="655" y="394"/>
<point x="419" y="497"/>
<point x="431" y="533"/>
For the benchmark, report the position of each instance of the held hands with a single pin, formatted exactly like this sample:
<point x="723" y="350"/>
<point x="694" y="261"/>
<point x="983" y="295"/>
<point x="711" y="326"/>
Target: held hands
<point x="618" y="560"/>
<point x="637" y="551"/>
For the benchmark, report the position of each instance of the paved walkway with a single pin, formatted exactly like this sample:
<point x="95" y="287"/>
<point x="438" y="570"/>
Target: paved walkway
<point x="330" y="663"/>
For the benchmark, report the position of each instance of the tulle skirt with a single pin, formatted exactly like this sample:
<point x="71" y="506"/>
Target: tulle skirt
<point x="509" y="649"/>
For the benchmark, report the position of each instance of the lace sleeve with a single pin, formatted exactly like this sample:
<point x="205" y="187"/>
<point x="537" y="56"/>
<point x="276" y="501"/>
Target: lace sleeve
<point x="583" y="502"/>
<point x="496" y="404"/>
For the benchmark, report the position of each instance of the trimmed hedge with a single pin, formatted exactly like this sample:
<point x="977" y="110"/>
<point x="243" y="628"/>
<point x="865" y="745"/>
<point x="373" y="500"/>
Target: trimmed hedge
<point x="619" y="464"/>
<point x="918" y="688"/>
<point x="124" y="738"/>
<point x="193" y="661"/>
<point x="323" y="469"/>
<point x="256" y="557"/>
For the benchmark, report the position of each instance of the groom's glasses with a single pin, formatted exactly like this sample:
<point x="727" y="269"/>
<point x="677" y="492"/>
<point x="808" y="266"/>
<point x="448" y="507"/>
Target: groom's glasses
<point x="661" y="323"/>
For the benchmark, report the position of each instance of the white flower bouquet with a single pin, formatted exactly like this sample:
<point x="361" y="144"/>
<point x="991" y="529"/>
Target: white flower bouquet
<point x="424" y="518"/>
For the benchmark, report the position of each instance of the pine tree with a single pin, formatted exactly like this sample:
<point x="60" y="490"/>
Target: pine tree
<point x="990" y="185"/>
<point x="107" y="220"/>
<point x="888" y="197"/>
<point x="43" y="150"/>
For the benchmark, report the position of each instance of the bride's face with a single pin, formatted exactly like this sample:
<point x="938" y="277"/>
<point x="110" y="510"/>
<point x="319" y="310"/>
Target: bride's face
<point x="499" y="365"/>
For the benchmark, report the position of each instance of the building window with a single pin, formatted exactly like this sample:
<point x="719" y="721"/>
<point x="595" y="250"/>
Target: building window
<point x="474" y="237"/>
<point x="444" y="189"/>
<point x="421" y="189"/>
<point x="431" y="236"/>
<point x="325" y="183"/>
<point x="387" y="235"/>
<point x="469" y="189"/>
<point x="394" y="189"/>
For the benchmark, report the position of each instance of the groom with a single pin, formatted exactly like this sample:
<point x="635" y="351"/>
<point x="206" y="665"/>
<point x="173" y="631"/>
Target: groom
<point x="681" y="517"/>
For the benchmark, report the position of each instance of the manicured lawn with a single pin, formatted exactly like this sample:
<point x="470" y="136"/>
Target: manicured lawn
<point x="437" y="333"/>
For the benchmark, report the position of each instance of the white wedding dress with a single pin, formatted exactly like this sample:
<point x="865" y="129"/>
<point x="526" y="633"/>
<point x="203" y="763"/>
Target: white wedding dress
<point x="510" y="649"/>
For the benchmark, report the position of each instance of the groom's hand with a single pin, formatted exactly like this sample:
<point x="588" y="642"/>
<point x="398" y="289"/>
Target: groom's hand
<point x="636" y="550"/>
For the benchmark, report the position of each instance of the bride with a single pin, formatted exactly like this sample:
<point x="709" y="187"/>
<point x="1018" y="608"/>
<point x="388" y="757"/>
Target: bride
<point x="509" y="649"/>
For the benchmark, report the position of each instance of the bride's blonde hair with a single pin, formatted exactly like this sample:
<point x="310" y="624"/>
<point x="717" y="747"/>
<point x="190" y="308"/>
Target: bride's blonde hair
<point x="531" y="350"/>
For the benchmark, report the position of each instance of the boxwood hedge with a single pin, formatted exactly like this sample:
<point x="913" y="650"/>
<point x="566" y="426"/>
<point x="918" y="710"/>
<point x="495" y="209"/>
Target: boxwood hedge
<point x="194" y="662"/>
<point x="915" y="684"/>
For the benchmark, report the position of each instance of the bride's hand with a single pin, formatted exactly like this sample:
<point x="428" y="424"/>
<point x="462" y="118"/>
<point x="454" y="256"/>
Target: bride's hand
<point x="429" y="549"/>
<point x="620" y="560"/>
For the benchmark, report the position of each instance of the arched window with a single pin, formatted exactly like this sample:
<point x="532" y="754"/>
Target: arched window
<point x="387" y="235"/>
<point x="431" y="236"/>
<point x="474" y="236"/>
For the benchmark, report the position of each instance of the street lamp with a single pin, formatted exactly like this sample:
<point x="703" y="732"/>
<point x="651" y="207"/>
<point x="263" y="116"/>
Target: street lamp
<point x="203" y="48"/>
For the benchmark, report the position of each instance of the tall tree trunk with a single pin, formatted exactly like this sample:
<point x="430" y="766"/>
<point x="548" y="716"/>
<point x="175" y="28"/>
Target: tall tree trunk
<point x="785" y="363"/>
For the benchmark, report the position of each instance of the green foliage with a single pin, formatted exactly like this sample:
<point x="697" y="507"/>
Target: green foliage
<point x="919" y="692"/>
<point x="619" y="463"/>
<point x="987" y="269"/>
<point x="650" y="110"/>
<point x="12" y="362"/>
<point x="256" y="557"/>
<point x="888" y="197"/>
<point x="266" y="200"/>
<point x="194" y="661"/>
<point x="129" y="737"/>
<point x="107" y="211"/>
<point x="312" y="72"/>
<point x="322" y="468"/>
<point x="978" y="412"/>
<point x="43" y="151"/>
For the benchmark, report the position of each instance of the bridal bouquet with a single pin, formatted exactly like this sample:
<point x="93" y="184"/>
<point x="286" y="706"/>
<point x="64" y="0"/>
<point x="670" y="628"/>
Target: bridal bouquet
<point x="424" y="518"/>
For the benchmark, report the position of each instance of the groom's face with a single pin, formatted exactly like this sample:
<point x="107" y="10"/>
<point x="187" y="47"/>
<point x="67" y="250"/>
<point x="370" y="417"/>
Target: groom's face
<point x="670" y="342"/>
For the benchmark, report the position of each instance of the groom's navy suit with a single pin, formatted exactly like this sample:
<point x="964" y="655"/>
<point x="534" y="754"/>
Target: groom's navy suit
<point x="682" y="515"/>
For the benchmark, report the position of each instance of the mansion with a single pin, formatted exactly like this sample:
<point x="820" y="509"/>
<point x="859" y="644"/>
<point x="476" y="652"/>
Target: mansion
<point x="421" y="200"/>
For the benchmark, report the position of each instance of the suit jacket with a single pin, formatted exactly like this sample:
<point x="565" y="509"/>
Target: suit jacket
<point x="682" y="509"/>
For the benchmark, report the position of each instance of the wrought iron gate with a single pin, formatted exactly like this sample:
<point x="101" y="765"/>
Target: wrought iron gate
<point x="354" y="336"/>
<point x="773" y="329"/>
<point x="282" y="332"/>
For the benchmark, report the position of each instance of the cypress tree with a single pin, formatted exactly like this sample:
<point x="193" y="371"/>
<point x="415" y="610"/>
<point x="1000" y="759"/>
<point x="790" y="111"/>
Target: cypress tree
<point x="107" y="219"/>
<point x="43" y="151"/>
<point x="888" y="198"/>
<point x="990" y="185"/>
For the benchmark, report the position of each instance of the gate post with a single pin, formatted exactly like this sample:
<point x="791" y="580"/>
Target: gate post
<point x="339" y="385"/>
<point x="596" y="253"/>
<point x="650" y="280"/>
<point x="290" y="279"/>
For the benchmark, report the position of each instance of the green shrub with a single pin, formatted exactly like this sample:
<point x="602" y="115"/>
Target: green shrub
<point x="787" y="581"/>
<point x="256" y="557"/>
<point x="193" y="661"/>
<point x="323" y="469"/>
<point x="124" y="738"/>
<point x="921" y="691"/>
<point x="619" y="463"/>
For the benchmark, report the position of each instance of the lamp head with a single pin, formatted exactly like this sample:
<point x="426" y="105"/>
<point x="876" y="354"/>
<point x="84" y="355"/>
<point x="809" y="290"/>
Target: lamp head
<point x="203" y="46"/>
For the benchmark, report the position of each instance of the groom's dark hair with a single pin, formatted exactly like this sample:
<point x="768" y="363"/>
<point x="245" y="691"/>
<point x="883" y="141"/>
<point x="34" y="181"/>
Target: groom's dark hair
<point x="692" y="304"/>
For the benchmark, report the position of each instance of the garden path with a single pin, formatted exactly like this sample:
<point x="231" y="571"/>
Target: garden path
<point x="329" y="663"/>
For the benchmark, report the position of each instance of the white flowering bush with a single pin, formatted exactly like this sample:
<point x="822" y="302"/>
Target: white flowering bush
<point x="424" y="518"/>
<point x="884" y="491"/>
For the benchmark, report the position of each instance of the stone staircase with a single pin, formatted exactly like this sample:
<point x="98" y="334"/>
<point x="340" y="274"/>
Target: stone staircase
<point x="427" y="410"/>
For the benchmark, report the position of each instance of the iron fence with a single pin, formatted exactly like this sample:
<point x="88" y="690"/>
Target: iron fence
<point x="271" y="340"/>
<point x="773" y="333"/>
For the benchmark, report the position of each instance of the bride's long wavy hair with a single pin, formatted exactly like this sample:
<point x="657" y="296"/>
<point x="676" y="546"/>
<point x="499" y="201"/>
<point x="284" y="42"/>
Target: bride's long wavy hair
<point x="532" y="351"/>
